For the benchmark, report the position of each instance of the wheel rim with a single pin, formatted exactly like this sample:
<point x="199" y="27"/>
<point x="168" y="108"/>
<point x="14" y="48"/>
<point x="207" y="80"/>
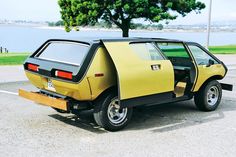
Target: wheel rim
<point x="212" y="95"/>
<point x="114" y="113"/>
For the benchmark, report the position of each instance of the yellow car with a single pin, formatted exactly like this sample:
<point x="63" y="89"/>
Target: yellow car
<point x="111" y="76"/>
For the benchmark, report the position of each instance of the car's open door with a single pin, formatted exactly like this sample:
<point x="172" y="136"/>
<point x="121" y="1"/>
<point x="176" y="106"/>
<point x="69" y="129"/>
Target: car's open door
<point x="140" y="81"/>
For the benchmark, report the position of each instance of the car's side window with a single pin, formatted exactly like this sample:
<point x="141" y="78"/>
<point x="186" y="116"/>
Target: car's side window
<point x="176" y="53"/>
<point x="173" y="50"/>
<point x="201" y="57"/>
<point x="147" y="51"/>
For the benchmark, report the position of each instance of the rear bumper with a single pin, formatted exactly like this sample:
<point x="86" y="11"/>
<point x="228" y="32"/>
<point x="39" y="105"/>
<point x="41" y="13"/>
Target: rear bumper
<point x="45" y="100"/>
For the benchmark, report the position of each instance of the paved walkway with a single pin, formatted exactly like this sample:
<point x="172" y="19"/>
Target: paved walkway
<point x="12" y="74"/>
<point x="16" y="73"/>
<point x="228" y="59"/>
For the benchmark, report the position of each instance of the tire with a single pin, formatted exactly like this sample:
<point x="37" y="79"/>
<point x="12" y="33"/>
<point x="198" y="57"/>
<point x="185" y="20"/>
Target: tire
<point x="109" y="116"/>
<point x="209" y="96"/>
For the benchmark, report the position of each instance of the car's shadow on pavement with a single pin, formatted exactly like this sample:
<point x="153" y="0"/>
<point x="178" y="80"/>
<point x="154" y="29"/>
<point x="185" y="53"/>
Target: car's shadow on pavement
<point x="160" y="118"/>
<point x="169" y="117"/>
<point x="83" y="121"/>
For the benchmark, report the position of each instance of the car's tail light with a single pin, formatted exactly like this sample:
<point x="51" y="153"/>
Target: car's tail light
<point x="33" y="67"/>
<point x="63" y="74"/>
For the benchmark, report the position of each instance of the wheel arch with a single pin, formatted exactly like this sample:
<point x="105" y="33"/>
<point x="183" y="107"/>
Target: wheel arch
<point x="214" y="77"/>
<point x="112" y="89"/>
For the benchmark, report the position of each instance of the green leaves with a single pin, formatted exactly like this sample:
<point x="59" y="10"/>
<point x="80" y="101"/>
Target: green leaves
<point x="121" y="12"/>
<point x="169" y="4"/>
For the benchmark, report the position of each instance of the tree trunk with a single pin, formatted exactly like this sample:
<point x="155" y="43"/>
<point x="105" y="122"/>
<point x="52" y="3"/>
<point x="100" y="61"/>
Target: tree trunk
<point x="125" y="27"/>
<point x="125" y="31"/>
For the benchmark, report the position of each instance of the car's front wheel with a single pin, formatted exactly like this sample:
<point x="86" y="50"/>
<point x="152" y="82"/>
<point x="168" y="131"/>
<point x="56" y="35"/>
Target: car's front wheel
<point x="209" y="96"/>
<point x="110" y="116"/>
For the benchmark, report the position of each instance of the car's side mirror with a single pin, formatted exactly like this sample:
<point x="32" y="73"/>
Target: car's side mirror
<point x="210" y="62"/>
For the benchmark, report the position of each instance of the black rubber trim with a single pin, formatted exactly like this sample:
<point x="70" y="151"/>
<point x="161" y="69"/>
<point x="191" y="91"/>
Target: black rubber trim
<point x="226" y="69"/>
<point x="147" y="100"/>
<point x="52" y="94"/>
<point x="225" y="86"/>
<point x="156" y="99"/>
<point x="140" y="39"/>
<point x="156" y="40"/>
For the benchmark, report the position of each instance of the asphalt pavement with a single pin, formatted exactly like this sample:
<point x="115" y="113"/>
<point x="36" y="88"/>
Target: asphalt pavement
<point x="178" y="130"/>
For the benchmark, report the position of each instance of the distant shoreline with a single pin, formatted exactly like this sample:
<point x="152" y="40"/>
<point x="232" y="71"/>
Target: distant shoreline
<point x="133" y="30"/>
<point x="181" y="30"/>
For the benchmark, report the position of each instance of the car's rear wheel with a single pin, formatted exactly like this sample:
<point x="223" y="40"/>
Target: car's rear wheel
<point x="109" y="115"/>
<point x="209" y="96"/>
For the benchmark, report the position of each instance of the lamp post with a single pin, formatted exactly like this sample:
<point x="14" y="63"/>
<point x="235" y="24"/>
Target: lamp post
<point x="209" y="25"/>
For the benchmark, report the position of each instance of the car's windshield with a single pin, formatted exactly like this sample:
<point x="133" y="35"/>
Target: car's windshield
<point x="66" y="52"/>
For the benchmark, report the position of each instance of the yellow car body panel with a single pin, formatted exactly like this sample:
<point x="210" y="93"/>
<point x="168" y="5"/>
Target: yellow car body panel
<point x="90" y="86"/>
<point x="101" y="64"/>
<point x="135" y="76"/>
<point x="79" y="91"/>
<point x="204" y="73"/>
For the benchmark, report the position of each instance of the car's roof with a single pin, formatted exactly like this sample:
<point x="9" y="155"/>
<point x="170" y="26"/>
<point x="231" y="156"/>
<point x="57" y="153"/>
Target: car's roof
<point x="116" y="39"/>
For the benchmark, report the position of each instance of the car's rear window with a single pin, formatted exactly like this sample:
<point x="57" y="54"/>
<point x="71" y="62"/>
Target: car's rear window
<point x="66" y="52"/>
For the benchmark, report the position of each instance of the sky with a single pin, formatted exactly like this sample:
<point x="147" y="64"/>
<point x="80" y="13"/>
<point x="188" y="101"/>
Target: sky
<point x="48" y="10"/>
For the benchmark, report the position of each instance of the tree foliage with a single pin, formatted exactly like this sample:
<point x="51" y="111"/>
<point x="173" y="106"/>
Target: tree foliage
<point x="121" y="12"/>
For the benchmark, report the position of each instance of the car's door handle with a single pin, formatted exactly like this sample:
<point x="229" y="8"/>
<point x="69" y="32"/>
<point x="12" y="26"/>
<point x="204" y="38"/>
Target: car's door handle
<point x="155" y="67"/>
